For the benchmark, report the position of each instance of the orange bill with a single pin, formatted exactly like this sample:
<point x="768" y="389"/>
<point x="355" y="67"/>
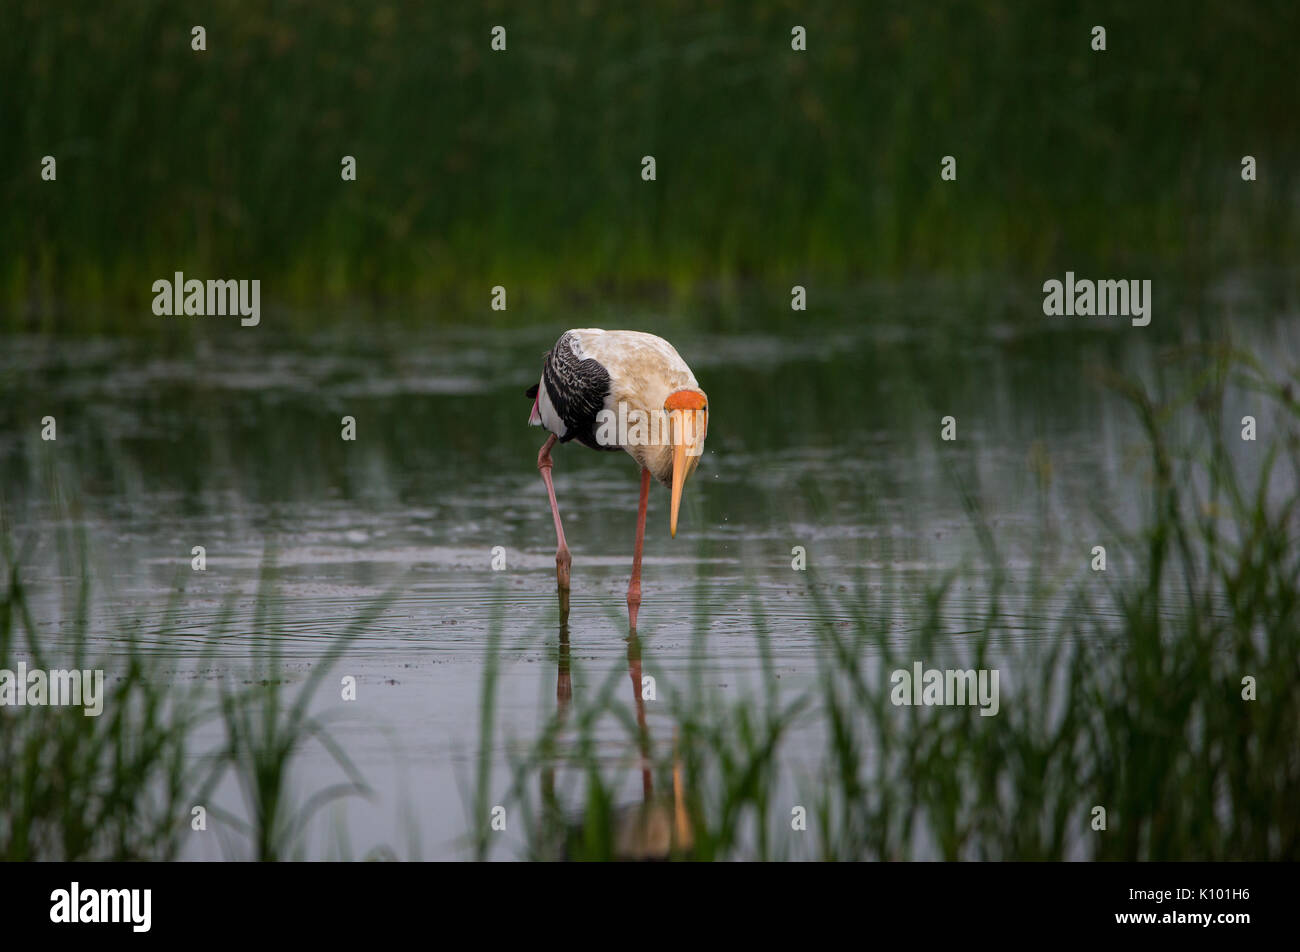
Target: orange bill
<point x="679" y="480"/>
<point x="688" y="409"/>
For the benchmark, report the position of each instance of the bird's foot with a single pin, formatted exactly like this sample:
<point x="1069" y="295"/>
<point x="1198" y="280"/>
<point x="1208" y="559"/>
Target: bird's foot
<point x="633" y="604"/>
<point x="562" y="563"/>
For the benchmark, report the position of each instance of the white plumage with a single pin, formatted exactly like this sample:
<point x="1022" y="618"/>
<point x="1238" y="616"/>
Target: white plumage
<point x="643" y="370"/>
<point x="621" y="390"/>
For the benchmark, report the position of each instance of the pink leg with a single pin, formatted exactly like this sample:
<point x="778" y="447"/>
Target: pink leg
<point x="638" y="699"/>
<point x="562" y="558"/>
<point x="563" y="677"/>
<point x="634" y="586"/>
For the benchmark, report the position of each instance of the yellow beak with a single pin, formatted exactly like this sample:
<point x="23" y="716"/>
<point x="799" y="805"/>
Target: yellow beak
<point x="688" y="412"/>
<point x="679" y="480"/>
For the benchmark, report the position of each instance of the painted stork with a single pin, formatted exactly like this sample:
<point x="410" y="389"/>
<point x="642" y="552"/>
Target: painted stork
<point x="620" y="390"/>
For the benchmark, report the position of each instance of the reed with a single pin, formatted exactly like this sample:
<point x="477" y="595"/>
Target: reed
<point x="523" y="167"/>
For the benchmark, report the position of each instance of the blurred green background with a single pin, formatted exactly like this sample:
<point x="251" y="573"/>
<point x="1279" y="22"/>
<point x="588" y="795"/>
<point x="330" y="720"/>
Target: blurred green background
<point x="774" y="168"/>
<point x="523" y="168"/>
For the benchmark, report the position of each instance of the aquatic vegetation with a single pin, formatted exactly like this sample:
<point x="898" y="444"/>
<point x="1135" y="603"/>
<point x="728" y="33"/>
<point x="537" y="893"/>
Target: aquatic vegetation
<point x="131" y="782"/>
<point x="1165" y="696"/>
<point x="470" y="164"/>
<point x="75" y="787"/>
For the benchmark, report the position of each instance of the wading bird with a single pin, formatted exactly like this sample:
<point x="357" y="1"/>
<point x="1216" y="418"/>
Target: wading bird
<point x="620" y="390"/>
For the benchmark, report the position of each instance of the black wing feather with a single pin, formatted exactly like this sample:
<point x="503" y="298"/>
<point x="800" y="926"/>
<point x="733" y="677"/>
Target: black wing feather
<point x="577" y="388"/>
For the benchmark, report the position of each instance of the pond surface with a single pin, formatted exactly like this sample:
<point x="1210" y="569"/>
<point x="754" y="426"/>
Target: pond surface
<point x="825" y="434"/>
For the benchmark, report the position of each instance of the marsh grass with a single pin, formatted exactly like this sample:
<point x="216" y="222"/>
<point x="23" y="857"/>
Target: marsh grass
<point x="77" y="787"/>
<point x="265" y="732"/>
<point x="121" y="786"/>
<point x="773" y="165"/>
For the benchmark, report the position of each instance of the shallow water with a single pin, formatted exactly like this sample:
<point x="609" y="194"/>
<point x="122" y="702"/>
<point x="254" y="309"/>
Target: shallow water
<point x="822" y="435"/>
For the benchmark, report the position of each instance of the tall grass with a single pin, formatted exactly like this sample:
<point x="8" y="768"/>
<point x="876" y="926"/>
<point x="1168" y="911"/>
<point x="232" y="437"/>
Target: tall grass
<point x="523" y="167"/>
<point x="76" y="787"/>
<point x="265" y="732"/>
<point x="124" y="785"/>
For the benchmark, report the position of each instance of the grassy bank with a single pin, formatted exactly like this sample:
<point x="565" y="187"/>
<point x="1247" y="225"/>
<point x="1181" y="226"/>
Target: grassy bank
<point x="522" y="168"/>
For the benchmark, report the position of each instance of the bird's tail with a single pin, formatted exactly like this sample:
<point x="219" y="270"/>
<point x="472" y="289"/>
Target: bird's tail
<point x="534" y="418"/>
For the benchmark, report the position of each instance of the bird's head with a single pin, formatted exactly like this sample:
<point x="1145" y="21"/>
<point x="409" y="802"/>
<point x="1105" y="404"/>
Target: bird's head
<point x="688" y="413"/>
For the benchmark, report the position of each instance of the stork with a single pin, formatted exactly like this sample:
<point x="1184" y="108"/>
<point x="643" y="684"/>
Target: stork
<point x="620" y="390"/>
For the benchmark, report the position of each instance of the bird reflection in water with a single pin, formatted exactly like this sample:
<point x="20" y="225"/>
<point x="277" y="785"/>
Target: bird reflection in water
<point x="656" y="828"/>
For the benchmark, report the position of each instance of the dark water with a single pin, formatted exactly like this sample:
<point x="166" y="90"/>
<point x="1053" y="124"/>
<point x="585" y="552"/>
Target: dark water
<point x="824" y="434"/>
